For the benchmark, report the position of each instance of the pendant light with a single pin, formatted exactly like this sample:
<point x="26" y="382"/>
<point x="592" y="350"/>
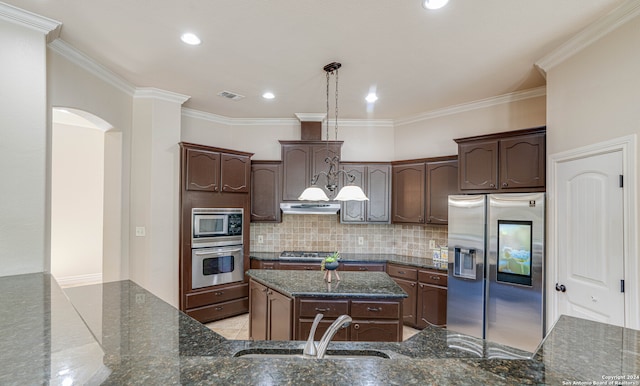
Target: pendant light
<point x="351" y="192"/>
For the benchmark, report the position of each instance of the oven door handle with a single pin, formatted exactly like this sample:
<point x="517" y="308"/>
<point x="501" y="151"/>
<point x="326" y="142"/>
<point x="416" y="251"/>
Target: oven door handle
<point x="216" y="251"/>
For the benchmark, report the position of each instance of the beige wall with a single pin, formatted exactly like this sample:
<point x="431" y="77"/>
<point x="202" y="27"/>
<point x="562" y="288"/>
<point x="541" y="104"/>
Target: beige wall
<point x="77" y="198"/>
<point x="24" y="191"/>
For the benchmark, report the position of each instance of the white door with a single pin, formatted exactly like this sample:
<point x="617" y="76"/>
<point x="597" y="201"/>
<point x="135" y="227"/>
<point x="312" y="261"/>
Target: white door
<point x="590" y="238"/>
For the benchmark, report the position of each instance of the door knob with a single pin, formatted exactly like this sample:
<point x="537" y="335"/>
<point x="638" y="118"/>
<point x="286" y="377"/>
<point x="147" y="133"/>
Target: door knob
<point x="561" y="288"/>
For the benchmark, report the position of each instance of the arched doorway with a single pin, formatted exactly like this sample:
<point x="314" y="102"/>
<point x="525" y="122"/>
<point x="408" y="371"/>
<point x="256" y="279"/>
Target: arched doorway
<point x="85" y="198"/>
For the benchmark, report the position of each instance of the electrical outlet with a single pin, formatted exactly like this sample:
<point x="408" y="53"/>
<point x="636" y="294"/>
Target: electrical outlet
<point x="432" y="244"/>
<point x="260" y="239"/>
<point x="360" y="240"/>
<point x="140" y="231"/>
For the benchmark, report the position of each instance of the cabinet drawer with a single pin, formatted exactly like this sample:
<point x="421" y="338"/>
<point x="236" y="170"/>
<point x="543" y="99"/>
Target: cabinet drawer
<point x="219" y="310"/>
<point x="330" y="308"/>
<point x="217" y="295"/>
<point x="363" y="267"/>
<point x="375" y="310"/>
<point x="431" y="277"/>
<point x="299" y="266"/>
<point x="402" y="272"/>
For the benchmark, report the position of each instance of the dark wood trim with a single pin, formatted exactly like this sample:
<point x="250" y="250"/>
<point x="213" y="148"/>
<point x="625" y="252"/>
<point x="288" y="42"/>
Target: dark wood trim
<point x="420" y="160"/>
<point x="298" y="142"/>
<point x="504" y="134"/>
<point x="214" y="149"/>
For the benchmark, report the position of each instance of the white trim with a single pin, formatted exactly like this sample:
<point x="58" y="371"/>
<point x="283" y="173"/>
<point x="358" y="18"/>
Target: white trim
<point x="197" y="114"/>
<point x="628" y="147"/>
<point x="80" y="59"/>
<point x="156" y="93"/>
<point x="311" y="117"/>
<point x="49" y="27"/>
<point x="74" y="281"/>
<point x="595" y="31"/>
<point x="479" y="104"/>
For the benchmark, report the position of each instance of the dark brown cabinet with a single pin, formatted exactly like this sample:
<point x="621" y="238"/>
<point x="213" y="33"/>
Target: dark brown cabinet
<point x="375" y="181"/>
<point x="421" y="189"/>
<point x="210" y="170"/>
<point x="265" y="191"/>
<point x="270" y="314"/>
<point x="362" y="267"/>
<point x="427" y="290"/>
<point x="301" y="160"/>
<point x="512" y="161"/>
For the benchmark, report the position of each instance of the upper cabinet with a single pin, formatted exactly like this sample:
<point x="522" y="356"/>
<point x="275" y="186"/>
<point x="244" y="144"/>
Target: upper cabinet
<point x="210" y="169"/>
<point x="265" y="191"/>
<point x="375" y="181"/>
<point x="510" y="162"/>
<point x="421" y="189"/>
<point x="301" y="160"/>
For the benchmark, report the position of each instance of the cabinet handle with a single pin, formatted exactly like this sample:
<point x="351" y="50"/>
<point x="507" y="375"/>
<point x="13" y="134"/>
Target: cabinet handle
<point x="264" y="290"/>
<point x="374" y="309"/>
<point x="218" y="293"/>
<point x="356" y="326"/>
<point x="363" y="269"/>
<point x="421" y="285"/>
<point x="402" y="273"/>
<point x="504" y="184"/>
<point x="434" y="277"/>
<point x="492" y="185"/>
<point x="307" y="268"/>
<point x="322" y="309"/>
<point x="269" y="292"/>
<point x="413" y="284"/>
<point x="219" y="308"/>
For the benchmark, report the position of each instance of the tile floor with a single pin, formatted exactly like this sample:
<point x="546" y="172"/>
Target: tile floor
<point x="237" y="327"/>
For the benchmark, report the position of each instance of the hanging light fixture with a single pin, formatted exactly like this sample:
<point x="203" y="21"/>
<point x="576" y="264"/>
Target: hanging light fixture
<point x="351" y="192"/>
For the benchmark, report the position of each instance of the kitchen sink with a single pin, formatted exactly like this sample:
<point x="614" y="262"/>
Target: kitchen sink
<point x="290" y="354"/>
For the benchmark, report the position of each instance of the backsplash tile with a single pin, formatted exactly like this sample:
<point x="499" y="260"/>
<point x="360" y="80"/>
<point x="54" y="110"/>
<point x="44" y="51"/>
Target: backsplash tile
<point x="326" y="233"/>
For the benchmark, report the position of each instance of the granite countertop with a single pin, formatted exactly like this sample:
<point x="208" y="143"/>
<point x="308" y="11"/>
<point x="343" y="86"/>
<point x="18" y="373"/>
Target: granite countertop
<point x="118" y="333"/>
<point x="312" y="284"/>
<point x="418" y="262"/>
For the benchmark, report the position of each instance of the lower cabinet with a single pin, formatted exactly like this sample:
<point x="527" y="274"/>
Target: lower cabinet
<point x="368" y="331"/>
<point x="269" y="314"/>
<point x="427" y="290"/>
<point x="218" y="303"/>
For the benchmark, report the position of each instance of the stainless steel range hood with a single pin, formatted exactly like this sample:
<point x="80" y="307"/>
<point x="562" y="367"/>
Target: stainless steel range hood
<point x="310" y="207"/>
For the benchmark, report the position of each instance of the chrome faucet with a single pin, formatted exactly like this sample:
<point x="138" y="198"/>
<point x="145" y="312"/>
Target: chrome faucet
<point x="310" y="348"/>
<point x="343" y="321"/>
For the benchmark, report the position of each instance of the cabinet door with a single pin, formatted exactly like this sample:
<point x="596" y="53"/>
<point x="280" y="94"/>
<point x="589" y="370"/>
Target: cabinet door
<point x="279" y="325"/>
<point x="354" y="211"/>
<point x="296" y="171"/>
<point x="432" y="305"/>
<point x="408" y="193"/>
<point x="258" y="311"/>
<point x="304" y="329"/>
<point x="442" y="180"/>
<point x="367" y="331"/>
<point x="203" y="170"/>
<point x="319" y="153"/>
<point x="235" y="173"/>
<point x="522" y="162"/>
<point x="478" y="162"/>
<point x="265" y="192"/>
<point x="409" y="304"/>
<point x="378" y="190"/>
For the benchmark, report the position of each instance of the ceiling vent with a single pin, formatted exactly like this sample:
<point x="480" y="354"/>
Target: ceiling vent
<point x="231" y="95"/>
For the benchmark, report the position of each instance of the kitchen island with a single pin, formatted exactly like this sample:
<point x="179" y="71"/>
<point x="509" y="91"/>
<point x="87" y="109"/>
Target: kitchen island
<point x="283" y="304"/>
<point x="120" y="334"/>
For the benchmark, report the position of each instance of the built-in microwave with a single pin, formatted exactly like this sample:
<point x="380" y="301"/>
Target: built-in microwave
<point x="213" y="227"/>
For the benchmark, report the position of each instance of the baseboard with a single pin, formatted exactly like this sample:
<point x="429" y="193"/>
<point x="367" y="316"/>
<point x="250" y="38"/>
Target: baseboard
<point x="78" y="280"/>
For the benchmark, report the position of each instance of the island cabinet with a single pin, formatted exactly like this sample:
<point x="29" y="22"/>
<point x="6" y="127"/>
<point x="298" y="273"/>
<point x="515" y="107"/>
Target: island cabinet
<point x="301" y="160"/>
<point x="375" y="181"/>
<point x="427" y="290"/>
<point x="216" y="170"/>
<point x="503" y="162"/>
<point x="421" y="189"/>
<point x="266" y="177"/>
<point x="270" y="313"/>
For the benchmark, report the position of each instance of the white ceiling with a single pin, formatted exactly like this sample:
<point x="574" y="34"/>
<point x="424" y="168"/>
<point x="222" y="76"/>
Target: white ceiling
<point x="417" y="60"/>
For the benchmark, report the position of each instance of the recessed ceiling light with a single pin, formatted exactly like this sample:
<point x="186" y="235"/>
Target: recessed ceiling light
<point x="268" y="95"/>
<point x="434" y="4"/>
<point x="371" y="97"/>
<point x="190" y="39"/>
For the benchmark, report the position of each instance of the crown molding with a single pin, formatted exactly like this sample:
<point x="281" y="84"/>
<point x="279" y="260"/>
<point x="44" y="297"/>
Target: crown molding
<point x="593" y="32"/>
<point x="80" y="59"/>
<point x="49" y="27"/>
<point x="156" y="93"/>
<point x="479" y="104"/>
<point x="361" y="122"/>
<point x="311" y="117"/>
<point x="197" y="114"/>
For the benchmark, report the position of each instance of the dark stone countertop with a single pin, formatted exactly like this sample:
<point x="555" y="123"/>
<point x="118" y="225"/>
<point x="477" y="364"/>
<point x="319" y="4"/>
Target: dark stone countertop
<point x="118" y="333"/>
<point x="418" y="262"/>
<point x="312" y="284"/>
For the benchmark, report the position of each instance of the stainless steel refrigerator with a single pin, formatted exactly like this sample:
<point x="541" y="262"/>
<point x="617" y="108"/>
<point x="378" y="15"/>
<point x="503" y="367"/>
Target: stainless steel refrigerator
<point x="496" y="268"/>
